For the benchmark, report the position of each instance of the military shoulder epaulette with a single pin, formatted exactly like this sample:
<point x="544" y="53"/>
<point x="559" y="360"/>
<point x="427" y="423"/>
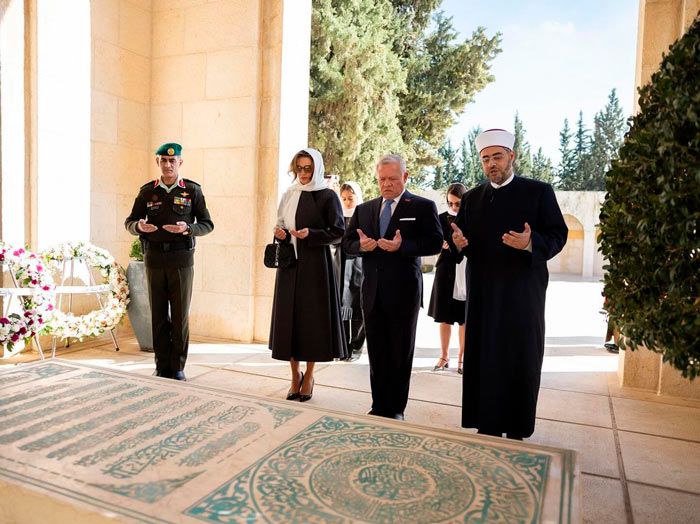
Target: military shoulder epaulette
<point x="192" y="182"/>
<point x="148" y="185"/>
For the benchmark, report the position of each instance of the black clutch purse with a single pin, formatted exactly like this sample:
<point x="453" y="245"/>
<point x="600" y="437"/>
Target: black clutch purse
<point x="279" y="254"/>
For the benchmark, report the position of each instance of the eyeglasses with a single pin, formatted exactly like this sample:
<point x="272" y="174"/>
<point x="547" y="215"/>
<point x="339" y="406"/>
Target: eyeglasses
<point x="454" y="204"/>
<point x="495" y="158"/>
<point x="304" y="169"/>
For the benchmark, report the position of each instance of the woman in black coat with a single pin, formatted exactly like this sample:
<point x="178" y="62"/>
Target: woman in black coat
<point x="351" y="275"/>
<point x="306" y="322"/>
<point x="448" y="298"/>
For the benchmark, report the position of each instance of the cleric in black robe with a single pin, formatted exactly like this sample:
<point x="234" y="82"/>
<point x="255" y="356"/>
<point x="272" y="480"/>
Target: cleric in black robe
<point x="508" y="227"/>
<point x="306" y="322"/>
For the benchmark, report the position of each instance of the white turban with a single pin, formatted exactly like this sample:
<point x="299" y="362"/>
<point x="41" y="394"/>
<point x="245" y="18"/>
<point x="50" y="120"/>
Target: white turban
<point x="495" y="137"/>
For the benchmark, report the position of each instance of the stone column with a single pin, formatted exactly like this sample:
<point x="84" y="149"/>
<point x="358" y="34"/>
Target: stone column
<point x="284" y="118"/>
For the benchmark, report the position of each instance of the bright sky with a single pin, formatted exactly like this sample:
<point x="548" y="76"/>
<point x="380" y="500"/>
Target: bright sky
<point x="558" y="57"/>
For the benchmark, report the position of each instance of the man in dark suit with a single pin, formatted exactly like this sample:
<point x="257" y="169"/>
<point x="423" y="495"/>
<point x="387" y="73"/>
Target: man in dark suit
<point x="391" y="233"/>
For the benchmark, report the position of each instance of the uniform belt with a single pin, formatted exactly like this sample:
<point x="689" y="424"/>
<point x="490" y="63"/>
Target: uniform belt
<point x="167" y="246"/>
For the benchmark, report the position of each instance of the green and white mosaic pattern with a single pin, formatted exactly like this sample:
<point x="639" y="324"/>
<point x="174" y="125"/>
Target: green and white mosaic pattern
<point x="153" y="450"/>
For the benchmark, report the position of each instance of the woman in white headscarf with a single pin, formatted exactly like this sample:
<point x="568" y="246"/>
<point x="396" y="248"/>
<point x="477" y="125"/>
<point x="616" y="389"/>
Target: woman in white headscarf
<point x="351" y="271"/>
<point x="306" y="321"/>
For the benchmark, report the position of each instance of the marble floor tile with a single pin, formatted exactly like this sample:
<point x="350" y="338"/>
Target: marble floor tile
<point x="264" y="364"/>
<point x="337" y="399"/>
<point x="582" y="382"/>
<point x="569" y="406"/>
<point x="657" y="419"/>
<point x="652" y="505"/>
<point x="347" y="375"/>
<point x="435" y="415"/>
<point x="595" y="446"/>
<point x="661" y="461"/>
<point x="441" y="386"/>
<point x="246" y="383"/>
<point x="603" y="502"/>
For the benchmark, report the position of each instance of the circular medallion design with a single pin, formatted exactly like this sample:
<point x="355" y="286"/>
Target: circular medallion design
<point x="391" y="482"/>
<point x="381" y="485"/>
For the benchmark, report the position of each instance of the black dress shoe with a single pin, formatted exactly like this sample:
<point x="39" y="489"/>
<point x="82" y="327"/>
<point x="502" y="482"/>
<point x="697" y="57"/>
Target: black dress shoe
<point x="180" y="375"/>
<point x="163" y="373"/>
<point x="294" y="395"/>
<point x="612" y="348"/>
<point x="373" y="412"/>
<point x="303" y="397"/>
<point x="397" y="416"/>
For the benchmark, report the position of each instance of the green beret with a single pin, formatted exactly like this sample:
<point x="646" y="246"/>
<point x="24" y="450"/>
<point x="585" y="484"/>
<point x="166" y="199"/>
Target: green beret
<point x="169" y="149"/>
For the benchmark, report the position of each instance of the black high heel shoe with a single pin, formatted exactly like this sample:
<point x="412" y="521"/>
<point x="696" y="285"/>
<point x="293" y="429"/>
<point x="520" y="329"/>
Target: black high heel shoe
<point x="293" y="395"/>
<point x="304" y="398"/>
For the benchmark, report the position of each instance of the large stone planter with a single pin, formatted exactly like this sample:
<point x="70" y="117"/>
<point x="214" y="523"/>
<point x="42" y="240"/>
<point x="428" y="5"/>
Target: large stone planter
<point x="139" y="309"/>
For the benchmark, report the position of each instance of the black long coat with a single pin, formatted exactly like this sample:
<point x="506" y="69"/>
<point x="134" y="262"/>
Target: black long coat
<point x="306" y="323"/>
<point x="444" y="308"/>
<point x="506" y="290"/>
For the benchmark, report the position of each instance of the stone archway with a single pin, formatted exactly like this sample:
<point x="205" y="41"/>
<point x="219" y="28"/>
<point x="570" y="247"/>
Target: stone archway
<point x="570" y="260"/>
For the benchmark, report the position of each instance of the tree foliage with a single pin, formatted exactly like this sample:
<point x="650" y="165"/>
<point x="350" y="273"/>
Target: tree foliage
<point x="389" y="76"/>
<point x="443" y="75"/>
<point x="523" y="156"/>
<point x="567" y="166"/>
<point x="651" y="215"/>
<point x="355" y="80"/>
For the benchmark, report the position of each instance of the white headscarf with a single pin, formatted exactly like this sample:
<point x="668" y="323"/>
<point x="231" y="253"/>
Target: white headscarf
<point x="347" y="213"/>
<point x="287" y="210"/>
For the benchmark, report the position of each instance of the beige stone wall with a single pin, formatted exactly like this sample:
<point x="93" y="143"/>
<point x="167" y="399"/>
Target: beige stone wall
<point x="205" y="95"/>
<point x="570" y="259"/>
<point x="205" y="74"/>
<point x="661" y="22"/>
<point x="120" y="131"/>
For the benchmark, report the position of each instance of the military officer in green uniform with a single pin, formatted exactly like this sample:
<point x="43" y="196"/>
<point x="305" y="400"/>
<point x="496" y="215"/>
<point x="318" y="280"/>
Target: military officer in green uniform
<point x="167" y="214"/>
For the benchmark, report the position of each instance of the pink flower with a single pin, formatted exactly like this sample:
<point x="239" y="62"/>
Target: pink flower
<point x="34" y="282"/>
<point x="22" y="330"/>
<point x="39" y="267"/>
<point x="4" y="320"/>
<point x="14" y="338"/>
<point x="50" y="308"/>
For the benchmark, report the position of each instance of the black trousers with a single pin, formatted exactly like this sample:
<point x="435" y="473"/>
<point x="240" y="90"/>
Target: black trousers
<point x="170" y="293"/>
<point x="391" y="339"/>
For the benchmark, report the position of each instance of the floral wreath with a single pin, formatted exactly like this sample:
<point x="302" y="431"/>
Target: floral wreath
<point x="94" y="323"/>
<point x="30" y="272"/>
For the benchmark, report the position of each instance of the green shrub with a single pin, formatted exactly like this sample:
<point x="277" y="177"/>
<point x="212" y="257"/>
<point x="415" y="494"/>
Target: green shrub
<point x="136" y="253"/>
<point x="651" y="215"/>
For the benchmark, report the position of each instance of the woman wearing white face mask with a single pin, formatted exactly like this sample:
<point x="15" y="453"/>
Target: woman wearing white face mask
<point x="351" y="277"/>
<point x="448" y="298"/>
<point x="306" y="322"/>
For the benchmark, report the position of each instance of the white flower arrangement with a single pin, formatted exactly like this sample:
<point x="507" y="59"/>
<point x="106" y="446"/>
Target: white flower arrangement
<point x="94" y="323"/>
<point x="29" y="271"/>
